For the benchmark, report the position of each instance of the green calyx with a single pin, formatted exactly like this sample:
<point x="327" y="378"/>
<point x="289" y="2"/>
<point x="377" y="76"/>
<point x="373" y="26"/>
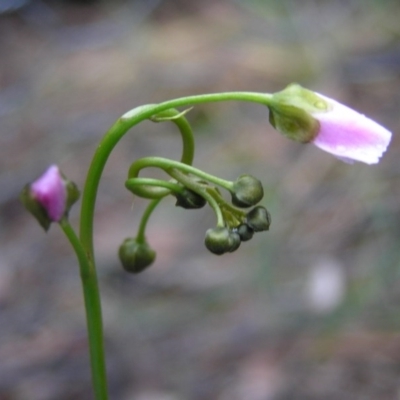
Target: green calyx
<point x="73" y="194"/>
<point x="35" y="208"/>
<point x="135" y="256"/>
<point x="291" y="112"/>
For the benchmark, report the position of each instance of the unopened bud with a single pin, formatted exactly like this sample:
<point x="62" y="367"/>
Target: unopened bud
<point x="259" y="219"/>
<point x="247" y="191"/>
<point x="50" y="197"/>
<point x="245" y="232"/>
<point x="135" y="257"/>
<point x="189" y="199"/>
<point x="235" y="241"/>
<point x="221" y="240"/>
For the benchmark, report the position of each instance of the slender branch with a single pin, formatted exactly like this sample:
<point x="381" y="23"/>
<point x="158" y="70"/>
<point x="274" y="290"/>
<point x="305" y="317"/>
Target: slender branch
<point x="166" y="164"/>
<point x="93" y="313"/>
<point x="139" y="186"/>
<point x="185" y="130"/>
<point x="140" y="237"/>
<point x="202" y="192"/>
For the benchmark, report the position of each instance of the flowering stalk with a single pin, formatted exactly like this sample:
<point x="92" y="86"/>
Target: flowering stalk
<point x="296" y="112"/>
<point x="94" y="319"/>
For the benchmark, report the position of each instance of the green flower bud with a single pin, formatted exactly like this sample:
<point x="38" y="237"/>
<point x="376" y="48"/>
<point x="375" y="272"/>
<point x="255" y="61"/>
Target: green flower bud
<point x="291" y="112"/>
<point x="135" y="257"/>
<point x="221" y="240"/>
<point x="218" y="240"/>
<point x="247" y="191"/>
<point x="259" y="219"/>
<point x="189" y="199"/>
<point x="235" y="241"/>
<point x="245" y="232"/>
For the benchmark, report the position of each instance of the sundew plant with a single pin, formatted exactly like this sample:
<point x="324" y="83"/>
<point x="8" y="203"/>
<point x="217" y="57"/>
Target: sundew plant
<point x="300" y="114"/>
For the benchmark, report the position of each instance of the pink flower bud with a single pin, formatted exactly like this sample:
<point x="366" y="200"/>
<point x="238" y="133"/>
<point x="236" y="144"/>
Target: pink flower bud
<point x="50" y="197"/>
<point x="50" y="192"/>
<point x="350" y="135"/>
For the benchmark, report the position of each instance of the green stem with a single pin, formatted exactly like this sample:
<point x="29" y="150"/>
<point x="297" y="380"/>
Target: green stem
<point x="239" y="214"/>
<point x="166" y="164"/>
<point x="261" y="98"/>
<point x="202" y="192"/>
<point x="185" y="130"/>
<point x="140" y="237"/>
<point x="138" y="186"/>
<point x="93" y="313"/>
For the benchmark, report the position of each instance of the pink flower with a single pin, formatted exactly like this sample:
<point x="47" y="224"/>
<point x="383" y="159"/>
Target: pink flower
<point x="350" y="135"/>
<point x="309" y="117"/>
<point x="50" y="192"/>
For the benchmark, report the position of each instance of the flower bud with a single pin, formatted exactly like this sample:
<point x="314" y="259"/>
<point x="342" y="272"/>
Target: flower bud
<point x="235" y="241"/>
<point x="259" y="219"/>
<point x="50" y="197"/>
<point x="221" y="240"/>
<point x="247" y="191"/>
<point x="135" y="257"/>
<point x="245" y="232"/>
<point x="189" y="199"/>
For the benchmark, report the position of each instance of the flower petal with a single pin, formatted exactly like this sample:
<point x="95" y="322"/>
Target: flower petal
<point x="350" y="135"/>
<point x="49" y="190"/>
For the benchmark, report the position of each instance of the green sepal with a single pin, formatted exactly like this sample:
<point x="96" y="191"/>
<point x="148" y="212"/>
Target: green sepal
<point x="291" y="112"/>
<point x="73" y="194"/>
<point x="34" y="207"/>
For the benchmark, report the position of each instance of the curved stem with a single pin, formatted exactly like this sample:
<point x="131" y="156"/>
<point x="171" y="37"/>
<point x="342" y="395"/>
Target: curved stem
<point x="150" y="188"/>
<point x="253" y="97"/>
<point x="166" y="164"/>
<point x="118" y="130"/>
<point x="138" y="186"/>
<point x="202" y="192"/>
<point x="140" y="237"/>
<point x="93" y="313"/>
<point x="185" y="130"/>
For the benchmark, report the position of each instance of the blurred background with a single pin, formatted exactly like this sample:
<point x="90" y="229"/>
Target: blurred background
<point x="308" y="310"/>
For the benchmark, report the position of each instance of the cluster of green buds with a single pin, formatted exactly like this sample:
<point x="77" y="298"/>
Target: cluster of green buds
<point x="239" y="226"/>
<point x="193" y="189"/>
